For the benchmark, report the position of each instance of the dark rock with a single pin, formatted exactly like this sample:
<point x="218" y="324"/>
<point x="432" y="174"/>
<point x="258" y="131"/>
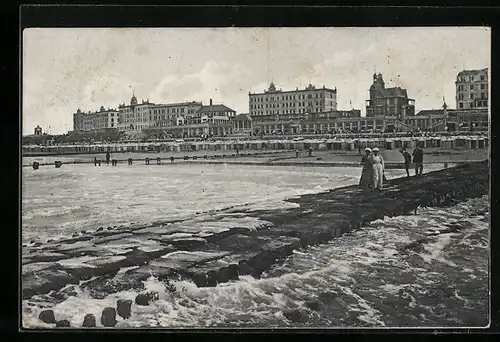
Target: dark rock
<point x="100" y="229"/>
<point x="43" y="282"/>
<point x="74" y="235"/>
<point x="294" y="315"/>
<point x="108" y="318"/>
<point x="89" y="321"/>
<point x="137" y="257"/>
<point x="124" y="307"/>
<point x="63" y="324"/>
<point x="212" y="279"/>
<point x="47" y="316"/>
<point x="313" y="305"/>
<point x="145" y="298"/>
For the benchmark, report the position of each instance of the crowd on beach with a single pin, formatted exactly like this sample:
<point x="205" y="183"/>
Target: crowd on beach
<point x="372" y="174"/>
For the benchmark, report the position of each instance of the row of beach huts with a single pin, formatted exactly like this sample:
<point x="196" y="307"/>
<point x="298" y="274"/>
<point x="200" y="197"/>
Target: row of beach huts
<point x="460" y="142"/>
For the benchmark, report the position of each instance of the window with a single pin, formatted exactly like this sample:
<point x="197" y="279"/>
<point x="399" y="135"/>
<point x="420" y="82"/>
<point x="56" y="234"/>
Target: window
<point x="471" y="96"/>
<point x="460" y="105"/>
<point x="483" y="86"/>
<point x="472" y="87"/>
<point x="483" y="95"/>
<point x="483" y="77"/>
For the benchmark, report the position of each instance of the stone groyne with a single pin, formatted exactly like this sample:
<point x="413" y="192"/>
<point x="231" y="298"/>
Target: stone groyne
<point x="209" y="259"/>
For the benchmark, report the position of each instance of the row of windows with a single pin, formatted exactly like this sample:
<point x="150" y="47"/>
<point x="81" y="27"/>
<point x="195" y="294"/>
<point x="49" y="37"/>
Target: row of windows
<point x="461" y="87"/>
<point x="470" y="78"/>
<point x="171" y="111"/>
<point x="285" y="111"/>
<point x="473" y="105"/>
<point x="286" y="105"/>
<point x="471" y="96"/>
<point x="265" y="98"/>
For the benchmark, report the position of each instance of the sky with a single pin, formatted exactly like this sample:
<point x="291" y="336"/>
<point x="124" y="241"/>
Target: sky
<point x="65" y="69"/>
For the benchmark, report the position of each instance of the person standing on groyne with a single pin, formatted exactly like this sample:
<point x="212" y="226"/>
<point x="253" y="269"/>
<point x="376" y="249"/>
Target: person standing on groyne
<point x="366" y="181"/>
<point x="108" y="157"/>
<point x="418" y="160"/>
<point x="378" y="169"/>
<point x="407" y="158"/>
<point x="95" y="161"/>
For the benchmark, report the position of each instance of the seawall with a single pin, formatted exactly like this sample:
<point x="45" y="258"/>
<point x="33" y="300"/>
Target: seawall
<point x="209" y="259"/>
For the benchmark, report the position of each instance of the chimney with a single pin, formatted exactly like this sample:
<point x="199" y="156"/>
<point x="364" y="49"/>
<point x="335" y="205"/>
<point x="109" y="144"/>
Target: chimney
<point x="210" y="101"/>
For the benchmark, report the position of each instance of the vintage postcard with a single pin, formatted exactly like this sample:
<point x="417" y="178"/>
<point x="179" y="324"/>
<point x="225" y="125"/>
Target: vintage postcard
<point x="255" y="177"/>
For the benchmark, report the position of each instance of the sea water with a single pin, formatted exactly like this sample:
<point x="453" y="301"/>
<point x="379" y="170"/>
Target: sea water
<point x="363" y="279"/>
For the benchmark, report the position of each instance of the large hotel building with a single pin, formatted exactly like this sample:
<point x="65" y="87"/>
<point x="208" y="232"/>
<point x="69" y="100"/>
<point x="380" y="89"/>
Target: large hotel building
<point x="472" y="89"/>
<point x="308" y="100"/>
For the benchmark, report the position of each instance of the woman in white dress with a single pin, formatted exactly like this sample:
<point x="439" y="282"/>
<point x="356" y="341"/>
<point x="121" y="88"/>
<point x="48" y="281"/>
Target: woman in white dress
<point x="378" y="169"/>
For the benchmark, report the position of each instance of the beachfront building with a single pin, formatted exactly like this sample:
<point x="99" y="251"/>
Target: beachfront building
<point x="193" y="120"/>
<point x="135" y="116"/>
<point x="472" y="100"/>
<point x="38" y="130"/>
<point x="391" y="102"/>
<point x="213" y="113"/>
<point x="472" y="89"/>
<point x="242" y="125"/>
<point x="300" y="101"/>
<point x="95" y="121"/>
<point x="302" y="123"/>
<point x="172" y="114"/>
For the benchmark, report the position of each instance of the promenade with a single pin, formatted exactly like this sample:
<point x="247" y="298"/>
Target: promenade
<point x="181" y="250"/>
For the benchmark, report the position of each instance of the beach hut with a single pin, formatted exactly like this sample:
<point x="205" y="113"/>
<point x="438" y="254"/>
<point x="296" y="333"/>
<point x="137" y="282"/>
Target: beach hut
<point x="474" y="142"/>
<point x="459" y="142"/>
<point x="389" y="144"/>
<point x="468" y="142"/>
<point x="446" y="143"/>
<point x="397" y="143"/>
<point x="480" y="142"/>
<point x="349" y="145"/>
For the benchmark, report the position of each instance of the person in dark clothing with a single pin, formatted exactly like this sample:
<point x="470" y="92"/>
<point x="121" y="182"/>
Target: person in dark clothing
<point x="418" y="160"/>
<point x="407" y="158"/>
<point x="108" y="157"/>
<point x="95" y="161"/>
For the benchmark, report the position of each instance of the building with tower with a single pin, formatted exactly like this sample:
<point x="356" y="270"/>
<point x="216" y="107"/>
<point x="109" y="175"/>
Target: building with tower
<point x="391" y="102"/>
<point x="38" y="130"/>
<point x="135" y="116"/>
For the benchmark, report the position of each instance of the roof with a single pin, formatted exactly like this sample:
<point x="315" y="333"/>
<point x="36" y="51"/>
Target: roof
<point x="395" y="92"/>
<point x="215" y="108"/>
<point x="469" y="72"/>
<point x="242" y="117"/>
<point x="434" y="112"/>
<point x="192" y="103"/>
